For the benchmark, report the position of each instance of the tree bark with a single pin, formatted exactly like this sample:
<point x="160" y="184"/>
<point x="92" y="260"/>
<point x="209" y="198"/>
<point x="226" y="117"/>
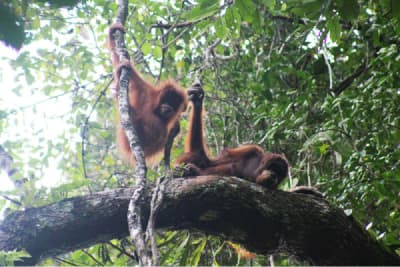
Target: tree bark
<point x="262" y="220"/>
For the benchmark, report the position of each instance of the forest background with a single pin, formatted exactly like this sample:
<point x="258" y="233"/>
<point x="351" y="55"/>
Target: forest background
<point x="316" y="80"/>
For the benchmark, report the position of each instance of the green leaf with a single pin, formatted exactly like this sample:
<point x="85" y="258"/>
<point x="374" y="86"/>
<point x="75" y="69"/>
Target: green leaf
<point x="220" y="28"/>
<point x="157" y="52"/>
<point x="233" y="20"/>
<point x="12" y="27"/>
<point x="246" y="9"/>
<point x="349" y="10"/>
<point x="324" y="148"/>
<point x="270" y="4"/>
<point x="35" y="23"/>
<point x="146" y="48"/>
<point x="395" y="8"/>
<point x="197" y="253"/>
<point x="308" y="8"/>
<point x="334" y="28"/>
<point x="200" y="12"/>
<point x="183" y="249"/>
<point x="8" y="258"/>
<point x="206" y="3"/>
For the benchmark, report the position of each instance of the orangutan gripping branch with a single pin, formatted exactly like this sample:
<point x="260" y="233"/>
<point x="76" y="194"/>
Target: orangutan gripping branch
<point x="155" y="110"/>
<point x="249" y="162"/>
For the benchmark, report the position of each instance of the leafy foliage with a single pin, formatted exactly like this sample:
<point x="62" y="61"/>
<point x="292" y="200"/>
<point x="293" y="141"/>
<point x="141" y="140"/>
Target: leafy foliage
<point x="8" y="258"/>
<point x="314" y="79"/>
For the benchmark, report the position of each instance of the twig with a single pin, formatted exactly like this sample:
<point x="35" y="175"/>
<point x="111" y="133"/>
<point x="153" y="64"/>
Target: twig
<point x="65" y="261"/>
<point x="164" y="48"/>
<point x="92" y="257"/>
<point x="349" y="80"/>
<point x="16" y="202"/>
<point x="185" y="24"/>
<point x="165" y="44"/>
<point x="146" y="65"/>
<point x="85" y="128"/>
<point x="123" y="251"/>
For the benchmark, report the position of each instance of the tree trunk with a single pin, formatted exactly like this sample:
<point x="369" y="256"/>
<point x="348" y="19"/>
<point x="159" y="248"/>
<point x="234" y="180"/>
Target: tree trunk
<point x="262" y="220"/>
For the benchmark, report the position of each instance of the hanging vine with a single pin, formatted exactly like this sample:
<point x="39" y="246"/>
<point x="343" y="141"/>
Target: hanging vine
<point x="135" y="212"/>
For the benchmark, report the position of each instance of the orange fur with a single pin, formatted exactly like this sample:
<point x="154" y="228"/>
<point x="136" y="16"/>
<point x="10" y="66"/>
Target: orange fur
<point x="248" y="161"/>
<point x="146" y="101"/>
<point x="243" y="253"/>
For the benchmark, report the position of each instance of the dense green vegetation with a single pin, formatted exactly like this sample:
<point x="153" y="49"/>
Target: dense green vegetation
<point x="316" y="80"/>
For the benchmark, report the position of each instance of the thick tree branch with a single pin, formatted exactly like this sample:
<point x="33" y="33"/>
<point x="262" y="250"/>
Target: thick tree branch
<point x="262" y="220"/>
